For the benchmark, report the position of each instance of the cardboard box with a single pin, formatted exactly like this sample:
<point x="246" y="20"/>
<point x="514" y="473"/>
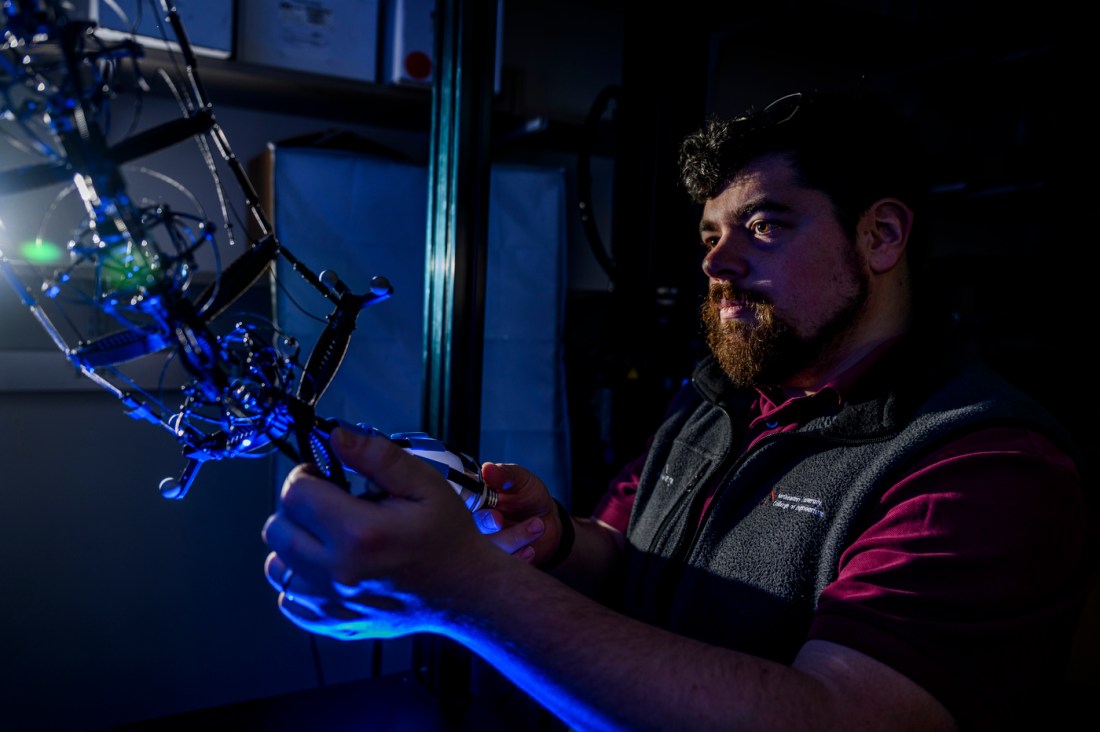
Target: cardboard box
<point x="208" y="24"/>
<point x="329" y="37"/>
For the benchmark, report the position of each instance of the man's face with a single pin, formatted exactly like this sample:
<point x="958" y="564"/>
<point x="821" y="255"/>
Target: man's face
<point x="787" y="284"/>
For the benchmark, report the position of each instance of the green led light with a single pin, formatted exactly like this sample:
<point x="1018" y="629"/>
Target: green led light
<point x="40" y="252"/>
<point x="127" y="267"/>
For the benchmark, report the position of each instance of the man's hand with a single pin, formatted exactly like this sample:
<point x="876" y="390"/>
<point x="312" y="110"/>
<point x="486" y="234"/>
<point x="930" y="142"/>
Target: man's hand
<point x="525" y="522"/>
<point x="353" y="568"/>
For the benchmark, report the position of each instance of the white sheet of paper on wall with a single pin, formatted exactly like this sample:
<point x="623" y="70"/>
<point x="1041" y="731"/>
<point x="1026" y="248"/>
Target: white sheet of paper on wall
<point x="327" y="37"/>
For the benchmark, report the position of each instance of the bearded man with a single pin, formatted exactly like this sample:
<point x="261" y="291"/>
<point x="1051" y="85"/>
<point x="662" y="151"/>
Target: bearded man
<point x="843" y="523"/>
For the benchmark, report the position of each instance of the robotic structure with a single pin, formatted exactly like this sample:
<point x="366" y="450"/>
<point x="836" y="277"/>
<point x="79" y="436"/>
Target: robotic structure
<point x="131" y="290"/>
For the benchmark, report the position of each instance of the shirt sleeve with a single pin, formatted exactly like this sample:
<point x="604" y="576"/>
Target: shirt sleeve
<point x="969" y="573"/>
<point x="615" y="505"/>
<point x="617" y="502"/>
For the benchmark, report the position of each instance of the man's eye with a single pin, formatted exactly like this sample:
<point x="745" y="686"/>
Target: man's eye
<point x="763" y="227"/>
<point x="709" y="242"/>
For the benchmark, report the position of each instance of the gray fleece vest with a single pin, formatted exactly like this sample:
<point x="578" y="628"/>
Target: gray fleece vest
<point x="785" y="511"/>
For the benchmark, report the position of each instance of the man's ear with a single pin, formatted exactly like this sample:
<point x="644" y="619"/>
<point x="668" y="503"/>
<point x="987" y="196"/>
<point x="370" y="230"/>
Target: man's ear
<point x="883" y="233"/>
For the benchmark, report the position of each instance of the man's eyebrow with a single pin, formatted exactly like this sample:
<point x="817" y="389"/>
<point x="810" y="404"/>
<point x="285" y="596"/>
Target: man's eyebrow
<point x="761" y="205"/>
<point x="707" y="226"/>
<point x="745" y="212"/>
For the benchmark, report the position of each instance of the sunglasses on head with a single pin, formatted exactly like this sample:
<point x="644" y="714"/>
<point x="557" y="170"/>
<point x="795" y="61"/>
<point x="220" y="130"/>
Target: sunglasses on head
<point x="777" y="112"/>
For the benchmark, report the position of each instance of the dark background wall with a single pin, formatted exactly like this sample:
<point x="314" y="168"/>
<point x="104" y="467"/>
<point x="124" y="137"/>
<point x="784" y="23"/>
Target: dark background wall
<point x="123" y="607"/>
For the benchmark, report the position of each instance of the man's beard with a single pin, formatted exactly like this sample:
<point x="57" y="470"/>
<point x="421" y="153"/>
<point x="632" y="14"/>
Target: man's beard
<point x="769" y="352"/>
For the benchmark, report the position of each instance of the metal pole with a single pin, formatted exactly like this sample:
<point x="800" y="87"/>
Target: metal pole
<point x="458" y="205"/>
<point x="454" y="298"/>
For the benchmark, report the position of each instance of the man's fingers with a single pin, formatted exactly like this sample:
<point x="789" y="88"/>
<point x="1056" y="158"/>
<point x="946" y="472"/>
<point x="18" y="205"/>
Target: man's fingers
<point x="387" y="465"/>
<point x="276" y="571"/>
<point x="294" y="532"/>
<point x="497" y="476"/>
<point x="489" y="521"/>
<point x="286" y="580"/>
<point x="514" y="538"/>
<point x="504" y="476"/>
<point x="309" y="497"/>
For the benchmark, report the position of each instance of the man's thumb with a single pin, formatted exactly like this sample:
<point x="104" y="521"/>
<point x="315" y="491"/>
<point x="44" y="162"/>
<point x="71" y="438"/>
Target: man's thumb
<point x="386" y="465"/>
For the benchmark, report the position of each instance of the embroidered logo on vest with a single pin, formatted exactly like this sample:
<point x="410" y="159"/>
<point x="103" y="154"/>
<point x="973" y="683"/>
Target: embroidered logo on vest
<point x="802" y="504"/>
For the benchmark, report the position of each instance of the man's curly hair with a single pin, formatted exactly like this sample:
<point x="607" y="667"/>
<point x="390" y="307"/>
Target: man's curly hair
<point x="855" y="149"/>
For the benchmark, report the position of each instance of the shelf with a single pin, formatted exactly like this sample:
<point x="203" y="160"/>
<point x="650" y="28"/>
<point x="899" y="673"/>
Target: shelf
<point x="231" y="83"/>
<point x="234" y="83"/>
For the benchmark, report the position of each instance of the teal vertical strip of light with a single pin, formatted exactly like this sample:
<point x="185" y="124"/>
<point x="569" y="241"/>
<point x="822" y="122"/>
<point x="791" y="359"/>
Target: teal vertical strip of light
<point x="457" y="226"/>
<point x="436" y="283"/>
<point x="454" y="297"/>
<point x="439" y="275"/>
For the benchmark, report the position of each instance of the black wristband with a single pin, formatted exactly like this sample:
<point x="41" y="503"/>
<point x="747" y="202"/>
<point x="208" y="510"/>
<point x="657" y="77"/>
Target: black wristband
<point x="565" y="543"/>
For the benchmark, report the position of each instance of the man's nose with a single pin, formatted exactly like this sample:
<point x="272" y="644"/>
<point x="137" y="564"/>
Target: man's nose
<point x="725" y="260"/>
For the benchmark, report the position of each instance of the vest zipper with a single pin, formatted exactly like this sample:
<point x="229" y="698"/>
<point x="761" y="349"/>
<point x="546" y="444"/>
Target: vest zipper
<point x="674" y="566"/>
